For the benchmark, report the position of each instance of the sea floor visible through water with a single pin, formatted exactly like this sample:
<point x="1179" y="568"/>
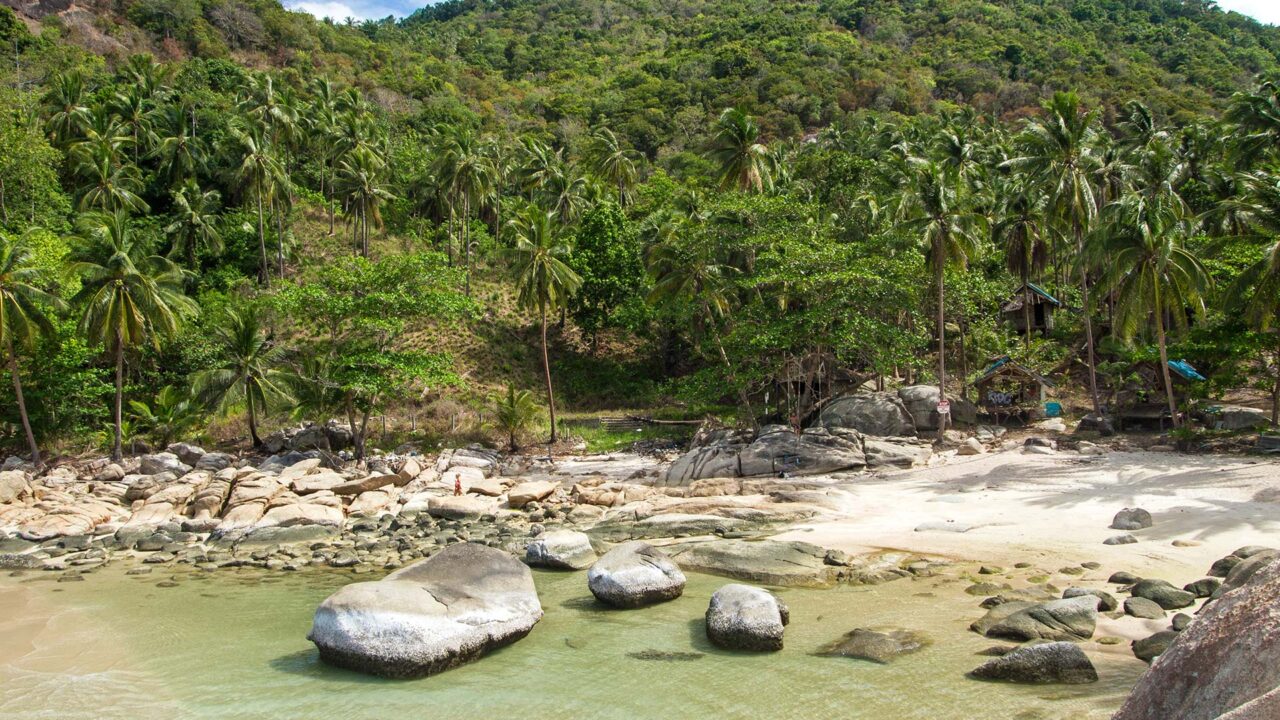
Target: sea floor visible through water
<point x="233" y="645"/>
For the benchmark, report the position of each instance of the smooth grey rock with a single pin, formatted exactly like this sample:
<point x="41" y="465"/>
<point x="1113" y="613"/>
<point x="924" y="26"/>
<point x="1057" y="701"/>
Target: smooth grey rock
<point x="769" y="562"/>
<point x="741" y="617"/>
<point x="1056" y="662"/>
<point x="635" y="574"/>
<point x="428" y="617"/>
<point x="921" y="402"/>
<point x="878" y="645"/>
<point x="1162" y="593"/>
<point x="870" y="413"/>
<point x="1140" y="607"/>
<point x="562" y="550"/>
<point x="161" y="463"/>
<point x="1203" y="588"/>
<point x="1068" y="619"/>
<point x="1120" y="540"/>
<point x="1148" y="648"/>
<point x="1131" y="519"/>
<point x="15" y="561"/>
<point x="1106" y="601"/>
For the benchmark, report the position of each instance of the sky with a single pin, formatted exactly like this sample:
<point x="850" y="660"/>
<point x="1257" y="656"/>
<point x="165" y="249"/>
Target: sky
<point x="1267" y="11"/>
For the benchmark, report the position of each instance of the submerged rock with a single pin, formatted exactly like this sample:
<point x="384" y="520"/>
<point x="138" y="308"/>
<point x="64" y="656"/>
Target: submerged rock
<point x="561" y="550"/>
<point x="635" y="574"/>
<point x="877" y="645"/>
<point x="428" y="617"/>
<point x="1056" y="662"/>
<point x="741" y="617"/>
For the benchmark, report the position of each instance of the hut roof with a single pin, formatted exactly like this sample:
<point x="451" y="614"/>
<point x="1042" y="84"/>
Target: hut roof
<point x="1015" y="303"/>
<point x="1005" y="364"/>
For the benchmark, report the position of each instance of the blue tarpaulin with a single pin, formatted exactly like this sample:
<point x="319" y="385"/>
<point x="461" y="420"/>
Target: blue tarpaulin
<point x="1183" y="368"/>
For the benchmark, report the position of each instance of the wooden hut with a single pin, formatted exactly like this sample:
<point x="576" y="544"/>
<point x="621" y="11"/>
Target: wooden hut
<point x="1030" y="302"/>
<point x="1008" y="390"/>
<point x="1141" y="400"/>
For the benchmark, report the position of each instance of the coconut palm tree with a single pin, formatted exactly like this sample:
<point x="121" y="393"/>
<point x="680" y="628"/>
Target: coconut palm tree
<point x="1059" y="149"/>
<point x="23" y="319"/>
<point x="1021" y="231"/>
<point x="180" y="156"/>
<point x="360" y="179"/>
<point x="259" y="173"/>
<point x="1149" y="272"/>
<point x="469" y="176"/>
<point x="543" y="280"/>
<point x="108" y="186"/>
<point x="129" y="297"/>
<point x="514" y="412"/>
<point x="933" y="208"/>
<point x="614" y="162"/>
<point x="250" y="371"/>
<point x="1255" y="294"/>
<point x="66" y="108"/>
<point x="745" y="162"/>
<point x="195" y="223"/>
<point x="169" y="415"/>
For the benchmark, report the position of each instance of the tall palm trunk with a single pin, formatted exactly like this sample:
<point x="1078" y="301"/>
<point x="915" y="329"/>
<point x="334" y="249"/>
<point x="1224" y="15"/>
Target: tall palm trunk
<point x="1275" y="388"/>
<point x="940" y="279"/>
<point x="546" y="369"/>
<point x="466" y="241"/>
<point x="253" y="419"/>
<point x="1026" y="310"/>
<point x="332" y="202"/>
<point x="743" y="397"/>
<point x="1164" y="359"/>
<point x="117" y="452"/>
<point x="1088" y="322"/>
<point x="22" y="406"/>
<point x="264" y="275"/>
<point x="280" y="240"/>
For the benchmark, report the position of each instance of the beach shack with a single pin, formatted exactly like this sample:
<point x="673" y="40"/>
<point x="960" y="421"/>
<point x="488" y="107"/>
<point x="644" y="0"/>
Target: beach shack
<point x="1141" y="401"/>
<point x="1030" y="303"/>
<point x="1011" y="391"/>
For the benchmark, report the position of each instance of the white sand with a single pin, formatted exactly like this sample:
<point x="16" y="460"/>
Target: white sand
<point x="1056" y="509"/>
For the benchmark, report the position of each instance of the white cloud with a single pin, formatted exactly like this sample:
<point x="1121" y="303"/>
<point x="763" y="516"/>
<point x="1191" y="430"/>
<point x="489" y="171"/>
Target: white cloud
<point x="340" y="11"/>
<point x="1267" y="11"/>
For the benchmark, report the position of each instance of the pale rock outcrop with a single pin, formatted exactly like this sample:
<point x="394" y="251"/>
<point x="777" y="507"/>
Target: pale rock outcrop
<point x="527" y="492"/>
<point x="560" y="550"/>
<point x="428" y="617"/>
<point x="14" y="484"/>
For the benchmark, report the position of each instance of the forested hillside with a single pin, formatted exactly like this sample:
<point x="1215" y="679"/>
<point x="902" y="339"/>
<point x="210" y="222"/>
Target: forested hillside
<point x="222" y="216"/>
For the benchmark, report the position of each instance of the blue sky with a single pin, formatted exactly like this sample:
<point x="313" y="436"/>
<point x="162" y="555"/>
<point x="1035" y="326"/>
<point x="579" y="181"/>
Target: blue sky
<point x="1267" y="11"/>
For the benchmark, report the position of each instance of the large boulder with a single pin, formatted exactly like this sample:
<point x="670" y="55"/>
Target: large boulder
<point x="561" y="550"/>
<point x="436" y="614"/>
<point x="776" y="451"/>
<point x="1131" y="519"/>
<point x="921" y="402"/>
<point x="1055" y="662"/>
<point x="13" y="485"/>
<point x="1067" y="619"/>
<point x="879" y="646"/>
<point x="161" y="463"/>
<point x="635" y="574"/>
<point x="870" y="413"/>
<point x="1227" y="658"/>
<point x="189" y="454"/>
<point x="741" y="617"/>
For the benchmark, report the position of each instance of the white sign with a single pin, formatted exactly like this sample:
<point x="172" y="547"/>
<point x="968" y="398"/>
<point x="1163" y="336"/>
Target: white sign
<point x="944" y="407"/>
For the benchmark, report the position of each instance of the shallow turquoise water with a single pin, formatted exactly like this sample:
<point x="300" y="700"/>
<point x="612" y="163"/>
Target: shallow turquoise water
<point x="232" y="645"/>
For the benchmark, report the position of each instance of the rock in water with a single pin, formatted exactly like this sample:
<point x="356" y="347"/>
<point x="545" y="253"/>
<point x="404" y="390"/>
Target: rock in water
<point x="1068" y="619"/>
<point x="1228" y="657"/>
<point x="1056" y="662"/>
<point x="878" y="646"/>
<point x="635" y="574"/>
<point x="561" y="550"/>
<point x="741" y="617"/>
<point x="1131" y="519"/>
<point x="436" y="614"/>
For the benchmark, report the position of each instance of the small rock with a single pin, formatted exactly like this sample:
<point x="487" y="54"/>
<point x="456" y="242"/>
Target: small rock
<point x="1203" y="588"/>
<point x="1131" y="519"/>
<point x="1056" y="662"/>
<point x="1120" y="540"/>
<point x="1143" y="608"/>
<point x="1106" y="601"/>
<point x="1147" y="649"/>
<point x="877" y="645"/>
<point x="1123" y="578"/>
<point x="1164" y="594"/>
<point x="1180" y="622"/>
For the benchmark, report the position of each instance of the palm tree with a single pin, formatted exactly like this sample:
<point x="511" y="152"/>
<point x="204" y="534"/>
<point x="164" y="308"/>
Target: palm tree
<point x="1256" y="116"/>
<point x="108" y="186"/>
<point x="514" y="412"/>
<point x="932" y="206"/>
<point x="128" y="297"/>
<point x="544" y="282"/>
<point x="360" y="180"/>
<point x="169" y="415"/>
<point x="23" y="319"/>
<point x="195" y="223"/>
<point x="1021" y="231"/>
<point x="614" y="162"/>
<point x="1148" y="270"/>
<point x="1059" y="150"/>
<point x="180" y="155"/>
<point x="250" y="369"/>
<point x="65" y="107"/>
<point x="259" y="174"/>
<point x="1255" y="294"/>
<point x="468" y="173"/>
<point x="745" y="162"/>
<point x="134" y="110"/>
<point x="693" y="273"/>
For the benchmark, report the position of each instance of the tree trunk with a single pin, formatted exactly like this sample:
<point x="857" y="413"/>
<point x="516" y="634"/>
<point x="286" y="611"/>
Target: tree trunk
<point x="356" y="438"/>
<point x="1088" y="324"/>
<point x="117" y="452"/>
<point x="546" y="369"/>
<point x="264" y="275"/>
<point x="253" y="421"/>
<point x="331" y="201"/>
<point x="1164" y="360"/>
<point x="940" y="279"/>
<point x="280" y="240"/>
<point x="22" y="407"/>
<point x="1275" y="389"/>
<point x="728" y="367"/>
<point x="1026" y="310"/>
<point x="466" y="241"/>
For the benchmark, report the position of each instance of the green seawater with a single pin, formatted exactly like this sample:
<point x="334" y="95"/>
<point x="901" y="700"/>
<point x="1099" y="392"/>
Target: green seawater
<point x="232" y="644"/>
